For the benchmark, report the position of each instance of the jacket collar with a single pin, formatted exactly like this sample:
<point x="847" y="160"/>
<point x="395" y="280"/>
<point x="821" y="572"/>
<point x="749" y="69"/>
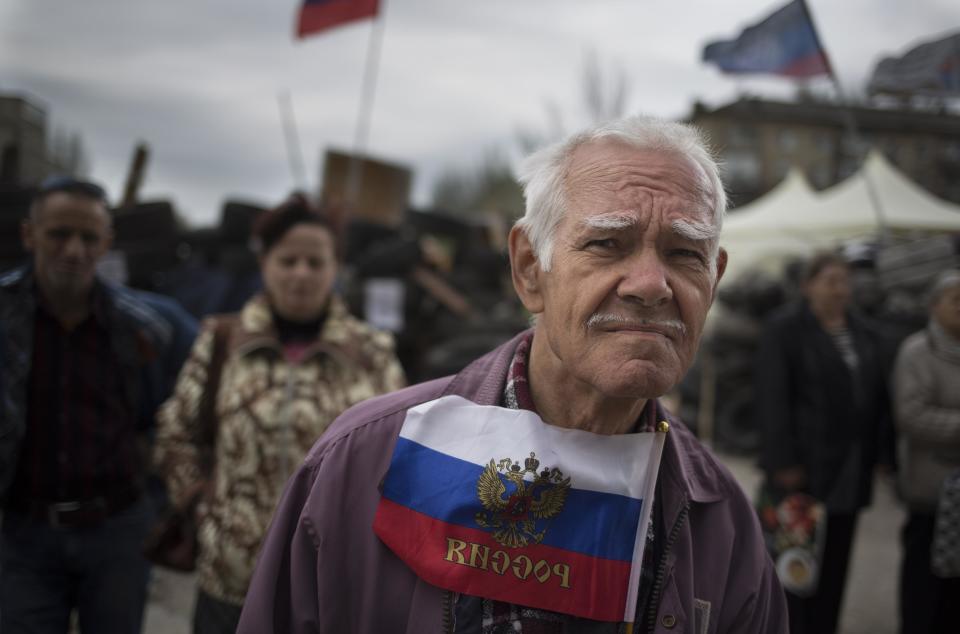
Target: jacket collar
<point x="943" y="344"/>
<point x="689" y="466"/>
<point x="99" y="303"/>
<point x="112" y="306"/>
<point x="483" y="380"/>
<point x="684" y="465"/>
<point x="257" y="331"/>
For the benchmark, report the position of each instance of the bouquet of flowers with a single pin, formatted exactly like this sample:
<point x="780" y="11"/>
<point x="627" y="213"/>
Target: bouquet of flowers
<point x="794" y="527"/>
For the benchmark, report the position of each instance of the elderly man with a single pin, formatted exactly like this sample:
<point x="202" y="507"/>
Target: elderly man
<point x="617" y="258"/>
<point x="85" y="364"/>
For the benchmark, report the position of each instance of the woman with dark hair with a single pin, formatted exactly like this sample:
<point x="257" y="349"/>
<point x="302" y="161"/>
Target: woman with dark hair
<point x="823" y="406"/>
<point x="259" y="388"/>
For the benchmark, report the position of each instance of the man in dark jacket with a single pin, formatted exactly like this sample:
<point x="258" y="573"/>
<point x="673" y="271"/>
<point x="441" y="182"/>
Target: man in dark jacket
<point x="85" y="364"/>
<point x="618" y="259"/>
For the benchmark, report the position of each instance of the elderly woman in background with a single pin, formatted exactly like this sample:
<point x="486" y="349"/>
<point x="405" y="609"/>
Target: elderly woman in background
<point x="278" y="374"/>
<point x="927" y="399"/>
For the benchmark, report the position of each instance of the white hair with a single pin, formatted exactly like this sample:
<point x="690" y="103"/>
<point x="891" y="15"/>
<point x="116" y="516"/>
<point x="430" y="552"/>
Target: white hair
<point x="543" y="174"/>
<point x="943" y="281"/>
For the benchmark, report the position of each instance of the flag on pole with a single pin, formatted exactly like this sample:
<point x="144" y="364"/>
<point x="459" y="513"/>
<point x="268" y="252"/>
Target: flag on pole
<point x="320" y="15"/>
<point x="495" y="503"/>
<point x="931" y="68"/>
<point x="784" y="43"/>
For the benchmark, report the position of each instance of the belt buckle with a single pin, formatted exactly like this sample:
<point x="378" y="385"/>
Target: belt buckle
<point x="55" y="510"/>
<point x="86" y="509"/>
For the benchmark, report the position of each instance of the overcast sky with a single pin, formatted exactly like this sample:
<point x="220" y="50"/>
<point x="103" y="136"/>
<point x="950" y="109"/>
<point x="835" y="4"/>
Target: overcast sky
<point x="199" y="80"/>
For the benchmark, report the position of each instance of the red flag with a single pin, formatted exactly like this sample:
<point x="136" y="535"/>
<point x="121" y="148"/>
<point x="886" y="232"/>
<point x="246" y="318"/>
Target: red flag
<point x="320" y="15"/>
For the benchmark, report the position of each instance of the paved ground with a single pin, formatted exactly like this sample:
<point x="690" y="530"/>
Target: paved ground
<point x="870" y="605"/>
<point x="171" y="603"/>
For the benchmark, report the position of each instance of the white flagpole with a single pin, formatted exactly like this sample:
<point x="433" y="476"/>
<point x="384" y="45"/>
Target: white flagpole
<point x="365" y="111"/>
<point x="292" y="139"/>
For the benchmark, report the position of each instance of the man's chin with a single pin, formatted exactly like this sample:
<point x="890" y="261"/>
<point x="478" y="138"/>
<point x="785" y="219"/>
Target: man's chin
<point x="71" y="285"/>
<point x="643" y="382"/>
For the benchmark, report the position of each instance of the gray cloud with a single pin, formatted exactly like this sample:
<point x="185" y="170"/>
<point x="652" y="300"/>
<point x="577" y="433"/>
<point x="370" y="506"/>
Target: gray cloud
<point x="199" y="80"/>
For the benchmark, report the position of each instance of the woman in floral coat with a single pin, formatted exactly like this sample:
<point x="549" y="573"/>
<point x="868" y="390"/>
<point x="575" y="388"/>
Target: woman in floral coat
<point x="289" y="363"/>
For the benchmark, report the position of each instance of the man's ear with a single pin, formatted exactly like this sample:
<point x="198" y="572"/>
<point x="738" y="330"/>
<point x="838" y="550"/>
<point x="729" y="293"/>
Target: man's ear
<point x="26" y="235"/>
<point x="108" y="239"/>
<point x="525" y="271"/>
<point x="721" y="267"/>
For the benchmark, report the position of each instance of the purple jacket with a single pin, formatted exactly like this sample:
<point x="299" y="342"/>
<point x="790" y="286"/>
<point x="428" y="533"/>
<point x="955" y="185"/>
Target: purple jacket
<point x="322" y="569"/>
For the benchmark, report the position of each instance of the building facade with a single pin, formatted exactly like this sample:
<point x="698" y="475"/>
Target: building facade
<point x="23" y="142"/>
<point x="760" y="140"/>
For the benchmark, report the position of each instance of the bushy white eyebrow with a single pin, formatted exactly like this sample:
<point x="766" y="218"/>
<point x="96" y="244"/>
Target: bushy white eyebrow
<point x="610" y="221"/>
<point x="693" y="230"/>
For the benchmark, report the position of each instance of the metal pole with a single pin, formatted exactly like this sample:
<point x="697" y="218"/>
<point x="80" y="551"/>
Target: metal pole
<point x="138" y="166"/>
<point x="292" y="140"/>
<point x="858" y="140"/>
<point x="852" y="130"/>
<point x="365" y="111"/>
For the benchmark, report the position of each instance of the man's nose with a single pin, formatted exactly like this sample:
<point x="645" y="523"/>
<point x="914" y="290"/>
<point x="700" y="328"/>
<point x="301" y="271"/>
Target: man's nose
<point x="74" y="247"/>
<point x="644" y="280"/>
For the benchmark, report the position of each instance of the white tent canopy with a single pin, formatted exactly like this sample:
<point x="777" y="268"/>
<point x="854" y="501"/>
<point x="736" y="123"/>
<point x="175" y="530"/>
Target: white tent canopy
<point x="758" y="235"/>
<point x="793" y="220"/>
<point x="905" y="206"/>
<point x="789" y="200"/>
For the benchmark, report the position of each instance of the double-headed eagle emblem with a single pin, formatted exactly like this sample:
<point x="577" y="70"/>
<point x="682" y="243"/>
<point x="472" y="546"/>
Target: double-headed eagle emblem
<point x="514" y="515"/>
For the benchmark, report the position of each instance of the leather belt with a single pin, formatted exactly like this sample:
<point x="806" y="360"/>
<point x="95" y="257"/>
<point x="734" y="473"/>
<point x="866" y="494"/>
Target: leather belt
<point x="81" y="513"/>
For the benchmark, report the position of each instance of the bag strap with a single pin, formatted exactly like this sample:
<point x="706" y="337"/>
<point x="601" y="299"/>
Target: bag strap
<point x="209" y="423"/>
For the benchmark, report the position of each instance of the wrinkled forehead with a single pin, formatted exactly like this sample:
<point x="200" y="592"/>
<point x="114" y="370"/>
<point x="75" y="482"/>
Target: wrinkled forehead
<point x="611" y="185"/>
<point x="611" y="166"/>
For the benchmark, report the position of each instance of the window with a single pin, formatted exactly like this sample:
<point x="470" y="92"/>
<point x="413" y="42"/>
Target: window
<point x="743" y="134"/>
<point x="32" y="114"/>
<point x="788" y="141"/>
<point x="824" y="143"/>
<point x="741" y="167"/>
<point x="779" y="168"/>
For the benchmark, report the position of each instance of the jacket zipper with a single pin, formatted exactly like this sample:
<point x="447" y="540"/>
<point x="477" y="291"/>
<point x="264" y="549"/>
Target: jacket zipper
<point x="653" y="605"/>
<point x="447" y="612"/>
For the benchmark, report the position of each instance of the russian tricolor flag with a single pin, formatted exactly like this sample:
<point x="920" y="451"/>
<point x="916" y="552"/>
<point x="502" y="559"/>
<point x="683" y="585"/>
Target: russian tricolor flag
<point x="493" y="502"/>
<point x="319" y="15"/>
